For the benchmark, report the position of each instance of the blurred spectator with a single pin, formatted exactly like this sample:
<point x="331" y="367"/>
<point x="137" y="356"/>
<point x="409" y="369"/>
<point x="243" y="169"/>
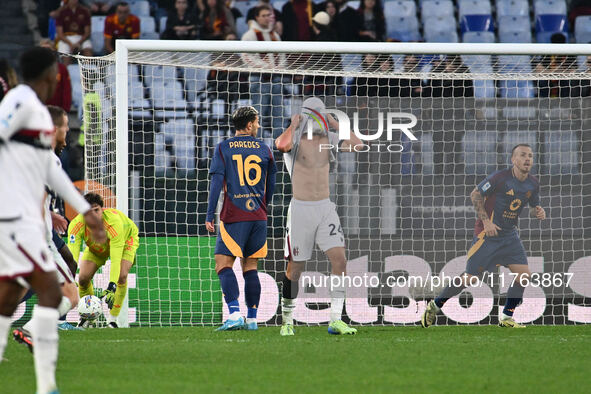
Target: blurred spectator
<point x="373" y="23"/>
<point x="562" y="87"/>
<point x="384" y="86"/>
<point x="275" y="19"/>
<point x="323" y="31"/>
<point x="297" y="20"/>
<point x="330" y="7"/>
<point x="122" y="24"/>
<point x="63" y="92"/>
<point x="99" y="7"/>
<point x="347" y="22"/>
<point x="73" y="30"/>
<point x="182" y="23"/>
<point x="8" y="78"/>
<point x="266" y="90"/>
<point x="450" y="87"/>
<point x="218" y="21"/>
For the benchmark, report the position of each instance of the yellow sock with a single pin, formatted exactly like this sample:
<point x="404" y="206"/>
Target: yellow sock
<point x="119" y="297"/>
<point x="84" y="291"/>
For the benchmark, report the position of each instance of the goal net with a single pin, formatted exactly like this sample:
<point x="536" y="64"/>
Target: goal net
<point x="434" y="121"/>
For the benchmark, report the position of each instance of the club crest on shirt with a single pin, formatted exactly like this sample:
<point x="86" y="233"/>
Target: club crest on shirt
<point x="72" y="238"/>
<point x="486" y="186"/>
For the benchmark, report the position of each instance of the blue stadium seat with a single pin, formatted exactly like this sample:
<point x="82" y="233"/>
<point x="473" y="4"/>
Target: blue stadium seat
<point x="479" y="37"/>
<point x="163" y="24"/>
<point x="476" y="23"/>
<point x="244" y="6"/>
<point x="97" y="24"/>
<point x="432" y="26"/>
<point x="474" y="7"/>
<point x="514" y="23"/>
<point x="241" y="26"/>
<point x="512" y="8"/>
<point x="434" y="8"/>
<point x="147" y="24"/>
<point x="180" y="135"/>
<point x="515" y="37"/>
<point x="562" y="153"/>
<point x="441" y="36"/>
<point x="583" y="28"/>
<point x="149" y="35"/>
<point x="354" y="4"/>
<point x="542" y="7"/>
<point x="140" y="8"/>
<point x="551" y="23"/>
<point x="399" y="8"/>
<point x="195" y="80"/>
<point x="403" y="28"/>
<point x="159" y="74"/>
<point x="515" y="88"/>
<point x="97" y="40"/>
<point x="278" y="5"/>
<point x="484" y="88"/>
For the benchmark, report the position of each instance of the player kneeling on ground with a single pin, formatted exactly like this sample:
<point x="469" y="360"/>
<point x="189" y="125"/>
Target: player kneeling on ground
<point x="120" y="248"/>
<point x="496" y="240"/>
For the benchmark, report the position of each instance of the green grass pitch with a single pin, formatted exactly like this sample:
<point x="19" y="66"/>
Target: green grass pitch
<point x="378" y="359"/>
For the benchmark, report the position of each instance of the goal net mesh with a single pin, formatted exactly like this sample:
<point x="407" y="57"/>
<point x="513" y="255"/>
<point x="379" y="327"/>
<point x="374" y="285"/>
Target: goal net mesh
<point x="403" y="204"/>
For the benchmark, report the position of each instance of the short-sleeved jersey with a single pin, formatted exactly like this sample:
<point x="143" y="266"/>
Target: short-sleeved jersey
<point x="246" y="163"/>
<point x="73" y="21"/>
<point x="118" y="228"/>
<point x="129" y="28"/>
<point x="505" y="198"/>
<point x="27" y="163"/>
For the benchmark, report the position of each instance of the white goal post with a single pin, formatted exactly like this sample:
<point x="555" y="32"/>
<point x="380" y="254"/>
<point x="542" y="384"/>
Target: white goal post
<point x="404" y="213"/>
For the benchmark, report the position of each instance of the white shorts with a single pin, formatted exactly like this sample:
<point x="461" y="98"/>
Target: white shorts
<point x="23" y="248"/>
<point x="75" y="38"/>
<point x="309" y="223"/>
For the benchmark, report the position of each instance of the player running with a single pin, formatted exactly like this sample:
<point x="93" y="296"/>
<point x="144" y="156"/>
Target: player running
<point x="244" y="166"/>
<point x="66" y="271"/>
<point x="498" y="201"/>
<point x="120" y="248"/>
<point x="27" y="165"/>
<point x="312" y="217"/>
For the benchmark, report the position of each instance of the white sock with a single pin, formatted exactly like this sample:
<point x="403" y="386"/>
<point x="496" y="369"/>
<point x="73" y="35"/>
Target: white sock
<point x="505" y="317"/>
<point x="28" y="326"/>
<point x="235" y="316"/>
<point x="64" y="306"/>
<point x="287" y="307"/>
<point x="5" y="323"/>
<point x="337" y="300"/>
<point x="45" y="340"/>
<point x="251" y="320"/>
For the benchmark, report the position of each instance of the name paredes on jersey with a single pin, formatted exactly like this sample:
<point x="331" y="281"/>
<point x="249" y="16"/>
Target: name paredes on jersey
<point x="244" y="144"/>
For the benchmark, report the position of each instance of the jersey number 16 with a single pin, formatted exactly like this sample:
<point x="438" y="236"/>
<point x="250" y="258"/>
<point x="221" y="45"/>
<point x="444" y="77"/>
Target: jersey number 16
<point x="245" y="167"/>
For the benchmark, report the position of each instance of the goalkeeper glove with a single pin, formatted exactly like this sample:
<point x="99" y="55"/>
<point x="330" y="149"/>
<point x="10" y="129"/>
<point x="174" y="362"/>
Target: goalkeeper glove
<point x="109" y="294"/>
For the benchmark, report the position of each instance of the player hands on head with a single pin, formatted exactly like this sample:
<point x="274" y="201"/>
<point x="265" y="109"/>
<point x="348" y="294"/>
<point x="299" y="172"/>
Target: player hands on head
<point x="120" y="247"/>
<point x="244" y="166"/>
<point x="27" y="166"/>
<point x="498" y="200"/>
<point x="312" y="217"/>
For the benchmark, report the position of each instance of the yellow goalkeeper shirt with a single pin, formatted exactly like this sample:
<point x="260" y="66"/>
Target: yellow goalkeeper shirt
<point x="119" y="229"/>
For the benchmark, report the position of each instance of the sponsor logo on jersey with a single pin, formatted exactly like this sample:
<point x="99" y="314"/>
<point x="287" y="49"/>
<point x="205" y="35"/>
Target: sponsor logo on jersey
<point x="486" y="186"/>
<point x="511" y="193"/>
<point x="72" y="238"/>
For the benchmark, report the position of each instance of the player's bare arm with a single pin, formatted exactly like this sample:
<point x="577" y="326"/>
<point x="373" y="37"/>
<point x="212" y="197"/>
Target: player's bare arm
<point x="537" y="212"/>
<point x="490" y="228"/>
<point x="284" y="142"/>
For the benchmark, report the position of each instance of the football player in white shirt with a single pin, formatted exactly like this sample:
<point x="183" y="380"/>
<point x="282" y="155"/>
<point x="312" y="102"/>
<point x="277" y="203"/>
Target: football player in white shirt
<point x="312" y="218"/>
<point x="27" y="165"/>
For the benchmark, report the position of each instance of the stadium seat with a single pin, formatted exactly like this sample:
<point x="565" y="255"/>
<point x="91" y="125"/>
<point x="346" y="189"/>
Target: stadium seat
<point x="278" y="5"/>
<point x="149" y="35"/>
<point x="195" y="80"/>
<point x="512" y="8"/>
<point x="515" y="88"/>
<point x="478" y="62"/>
<point x="180" y="135"/>
<point x="403" y="28"/>
<point x="474" y="7"/>
<point x="163" y="24"/>
<point x="543" y="7"/>
<point x="514" y="23"/>
<point x="159" y="74"/>
<point x="479" y="37"/>
<point x="244" y="6"/>
<point x="97" y="24"/>
<point x="354" y="4"/>
<point x="147" y="24"/>
<point x="435" y="8"/>
<point x="399" y="8"/>
<point x="140" y="8"/>
<point x="515" y="37"/>
<point x="583" y="28"/>
<point x="476" y="23"/>
<point x="97" y="39"/>
<point x="551" y="23"/>
<point x="480" y="152"/>
<point x="440" y="29"/>
<point x="241" y="26"/>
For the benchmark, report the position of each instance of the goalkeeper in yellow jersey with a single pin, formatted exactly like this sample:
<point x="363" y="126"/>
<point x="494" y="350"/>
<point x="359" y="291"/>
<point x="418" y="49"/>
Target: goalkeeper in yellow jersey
<point x="121" y="246"/>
